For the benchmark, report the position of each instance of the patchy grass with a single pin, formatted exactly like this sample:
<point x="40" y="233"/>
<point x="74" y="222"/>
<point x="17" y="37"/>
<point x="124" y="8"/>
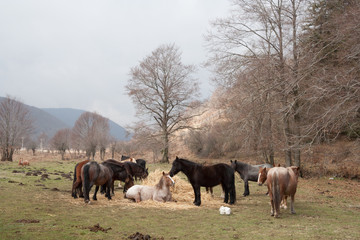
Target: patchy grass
<point x="37" y="207"/>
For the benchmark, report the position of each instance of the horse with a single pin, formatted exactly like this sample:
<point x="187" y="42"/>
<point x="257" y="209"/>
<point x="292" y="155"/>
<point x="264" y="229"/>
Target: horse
<point x="160" y="192"/>
<point x="123" y="157"/>
<point x="281" y="183"/>
<point x="77" y="183"/>
<point x="23" y="162"/>
<point x="93" y="173"/>
<point x="248" y="173"/>
<point x="136" y="170"/>
<point x="141" y="162"/>
<point x="206" y="176"/>
<point x="121" y="172"/>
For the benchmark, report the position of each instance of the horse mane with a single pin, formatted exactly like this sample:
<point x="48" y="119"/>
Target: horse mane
<point x="160" y="184"/>
<point x="189" y="162"/>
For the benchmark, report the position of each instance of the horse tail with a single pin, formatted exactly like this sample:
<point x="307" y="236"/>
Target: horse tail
<point x="86" y="181"/>
<point x="73" y="193"/>
<point x="276" y="192"/>
<point x="75" y="172"/>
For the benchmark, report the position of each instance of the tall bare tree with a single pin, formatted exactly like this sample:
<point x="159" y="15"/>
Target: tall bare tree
<point x="15" y="125"/>
<point x="161" y="86"/>
<point x="61" y="141"/>
<point x="91" y="130"/>
<point x="262" y="35"/>
<point x="332" y="48"/>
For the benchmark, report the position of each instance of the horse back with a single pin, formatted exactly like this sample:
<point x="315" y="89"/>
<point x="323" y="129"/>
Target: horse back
<point x="209" y="176"/>
<point x="285" y="178"/>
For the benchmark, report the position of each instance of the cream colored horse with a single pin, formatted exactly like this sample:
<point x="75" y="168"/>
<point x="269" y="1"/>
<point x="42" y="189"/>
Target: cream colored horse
<point x="160" y="192"/>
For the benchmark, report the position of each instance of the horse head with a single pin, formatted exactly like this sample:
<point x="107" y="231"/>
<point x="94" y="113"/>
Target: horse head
<point x="296" y="170"/>
<point x="262" y="176"/>
<point x="233" y="164"/>
<point x="168" y="180"/>
<point x="176" y="167"/>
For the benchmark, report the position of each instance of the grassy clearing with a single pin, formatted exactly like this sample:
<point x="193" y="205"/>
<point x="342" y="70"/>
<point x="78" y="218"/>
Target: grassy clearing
<point x="326" y="209"/>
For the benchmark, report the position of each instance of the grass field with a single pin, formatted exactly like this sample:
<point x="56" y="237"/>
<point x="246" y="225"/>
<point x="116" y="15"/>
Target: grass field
<point x="41" y="207"/>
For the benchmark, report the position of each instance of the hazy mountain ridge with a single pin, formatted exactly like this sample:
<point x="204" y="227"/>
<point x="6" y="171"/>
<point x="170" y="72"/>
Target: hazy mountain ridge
<point x="51" y="120"/>
<point x="70" y="115"/>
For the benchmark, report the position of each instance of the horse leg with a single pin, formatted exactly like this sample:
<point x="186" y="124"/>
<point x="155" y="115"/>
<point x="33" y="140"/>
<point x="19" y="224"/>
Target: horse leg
<point x="74" y="188"/>
<point x="271" y="201"/>
<point x="80" y="189"/>
<point x="284" y="202"/>
<point x="112" y="188"/>
<point x="292" y="204"/>
<point x="246" y="191"/>
<point x="226" y="190"/>
<point x="197" y="200"/>
<point x="109" y="185"/>
<point x="94" y="196"/>
<point x="232" y="192"/>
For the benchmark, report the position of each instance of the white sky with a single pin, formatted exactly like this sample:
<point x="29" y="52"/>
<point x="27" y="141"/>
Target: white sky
<point x="78" y="54"/>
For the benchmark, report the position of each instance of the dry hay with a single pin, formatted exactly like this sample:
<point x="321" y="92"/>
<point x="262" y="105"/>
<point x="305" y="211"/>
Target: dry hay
<point x="182" y="193"/>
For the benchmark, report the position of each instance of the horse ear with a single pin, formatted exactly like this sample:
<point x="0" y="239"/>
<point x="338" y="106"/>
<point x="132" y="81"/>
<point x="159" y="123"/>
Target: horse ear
<point x="235" y="161"/>
<point x="163" y="173"/>
<point x="230" y="160"/>
<point x="176" y="157"/>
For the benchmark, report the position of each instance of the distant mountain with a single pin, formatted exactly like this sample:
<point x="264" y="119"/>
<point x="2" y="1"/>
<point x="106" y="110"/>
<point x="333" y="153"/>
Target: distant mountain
<point x="51" y="120"/>
<point x="69" y="116"/>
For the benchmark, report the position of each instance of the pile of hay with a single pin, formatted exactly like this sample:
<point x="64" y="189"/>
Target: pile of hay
<point x="181" y="192"/>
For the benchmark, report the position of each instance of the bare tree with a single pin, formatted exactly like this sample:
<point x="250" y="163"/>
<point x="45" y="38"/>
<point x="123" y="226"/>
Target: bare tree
<point x="332" y="48"/>
<point x="61" y="141"/>
<point x="32" y="145"/>
<point x="262" y="35"/>
<point x="15" y="124"/>
<point x="92" y="131"/>
<point x="161" y="86"/>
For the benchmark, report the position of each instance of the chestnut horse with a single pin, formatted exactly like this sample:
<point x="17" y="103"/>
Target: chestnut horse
<point x="281" y="183"/>
<point x="24" y="162"/>
<point x="160" y="192"/>
<point x="77" y="183"/>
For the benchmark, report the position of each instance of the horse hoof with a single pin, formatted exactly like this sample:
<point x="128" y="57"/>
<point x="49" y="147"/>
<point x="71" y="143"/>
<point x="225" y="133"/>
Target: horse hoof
<point x="197" y="204"/>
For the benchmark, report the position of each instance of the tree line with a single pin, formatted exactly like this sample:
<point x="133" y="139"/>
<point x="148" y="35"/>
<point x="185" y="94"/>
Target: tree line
<point x="287" y="77"/>
<point x="286" y="74"/>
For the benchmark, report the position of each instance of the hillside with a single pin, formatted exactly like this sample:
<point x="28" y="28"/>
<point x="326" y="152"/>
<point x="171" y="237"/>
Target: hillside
<point x="51" y="120"/>
<point x="69" y="117"/>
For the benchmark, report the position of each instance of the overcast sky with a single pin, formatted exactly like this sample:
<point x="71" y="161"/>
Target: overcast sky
<point x="78" y="54"/>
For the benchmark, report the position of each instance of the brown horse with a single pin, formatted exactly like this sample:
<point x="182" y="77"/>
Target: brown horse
<point x="281" y="183"/>
<point x="77" y="183"/>
<point x="160" y="192"/>
<point x="24" y="162"/>
<point x="96" y="174"/>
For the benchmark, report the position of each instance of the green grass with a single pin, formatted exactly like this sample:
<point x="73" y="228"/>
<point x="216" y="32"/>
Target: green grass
<point x="319" y="215"/>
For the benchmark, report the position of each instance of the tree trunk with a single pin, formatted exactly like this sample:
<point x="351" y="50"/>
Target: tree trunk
<point x="7" y="154"/>
<point x="165" y="157"/>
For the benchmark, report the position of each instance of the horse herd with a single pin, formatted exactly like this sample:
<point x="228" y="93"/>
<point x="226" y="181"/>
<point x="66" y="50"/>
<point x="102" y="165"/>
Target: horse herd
<point x="281" y="181"/>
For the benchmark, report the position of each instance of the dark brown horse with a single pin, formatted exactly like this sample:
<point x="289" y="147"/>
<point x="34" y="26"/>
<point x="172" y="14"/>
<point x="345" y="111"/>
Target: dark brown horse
<point x="93" y="173"/>
<point x="281" y="183"/>
<point x="77" y="183"/>
<point x="206" y="176"/>
<point x="122" y="172"/>
<point x="136" y="170"/>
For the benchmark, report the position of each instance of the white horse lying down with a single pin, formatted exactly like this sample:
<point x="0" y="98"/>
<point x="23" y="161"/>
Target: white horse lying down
<point x="160" y="192"/>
